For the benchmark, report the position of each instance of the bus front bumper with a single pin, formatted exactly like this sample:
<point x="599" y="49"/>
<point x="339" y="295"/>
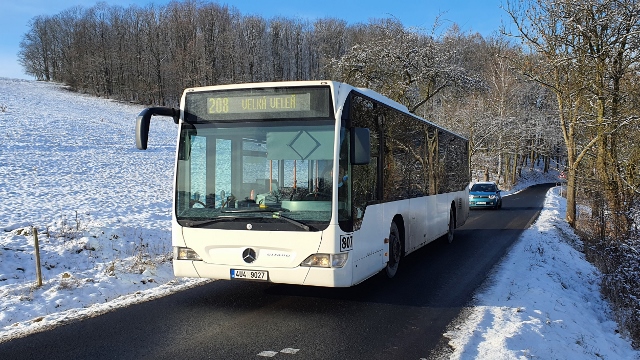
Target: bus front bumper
<point x="301" y="275"/>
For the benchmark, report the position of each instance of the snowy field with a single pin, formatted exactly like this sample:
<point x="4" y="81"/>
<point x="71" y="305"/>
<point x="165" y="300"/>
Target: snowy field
<point x="102" y="208"/>
<point x="69" y="168"/>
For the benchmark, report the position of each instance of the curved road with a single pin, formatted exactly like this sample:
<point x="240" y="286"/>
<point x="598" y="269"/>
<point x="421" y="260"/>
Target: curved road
<point x="403" y="318"/>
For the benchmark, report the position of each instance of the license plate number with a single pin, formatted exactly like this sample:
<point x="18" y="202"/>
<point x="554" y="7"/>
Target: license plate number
<point x="249" y="274"/>
<point x="481" y="203"/>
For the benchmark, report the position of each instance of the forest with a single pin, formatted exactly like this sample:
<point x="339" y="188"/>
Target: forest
<point x="558" y="88"/>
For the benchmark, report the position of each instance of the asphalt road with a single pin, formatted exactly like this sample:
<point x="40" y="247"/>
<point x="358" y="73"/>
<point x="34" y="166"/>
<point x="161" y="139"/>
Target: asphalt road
<point x="402" y="318"/>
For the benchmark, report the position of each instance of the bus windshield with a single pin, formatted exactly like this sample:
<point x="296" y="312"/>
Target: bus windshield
<point x="277" y="174"/>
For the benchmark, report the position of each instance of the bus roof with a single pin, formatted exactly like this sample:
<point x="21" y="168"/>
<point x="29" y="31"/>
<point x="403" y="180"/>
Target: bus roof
<point x="341" y="91"/>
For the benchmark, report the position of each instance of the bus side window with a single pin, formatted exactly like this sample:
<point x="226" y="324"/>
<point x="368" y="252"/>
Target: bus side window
<point x="364" y="178"/>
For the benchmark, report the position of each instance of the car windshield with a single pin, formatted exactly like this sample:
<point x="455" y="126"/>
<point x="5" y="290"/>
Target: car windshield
<point x="484" y="188"/>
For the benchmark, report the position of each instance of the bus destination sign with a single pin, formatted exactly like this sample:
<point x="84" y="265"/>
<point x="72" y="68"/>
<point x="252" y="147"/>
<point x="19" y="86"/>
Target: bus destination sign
<point x="259" y="104"/>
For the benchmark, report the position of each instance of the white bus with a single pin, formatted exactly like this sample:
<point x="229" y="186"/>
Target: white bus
<point x="307" y="182"/>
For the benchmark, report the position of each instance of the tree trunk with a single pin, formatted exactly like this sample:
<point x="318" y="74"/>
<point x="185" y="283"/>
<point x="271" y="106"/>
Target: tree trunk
<point x="571" y="197"/>
<point x="514" y="169"/>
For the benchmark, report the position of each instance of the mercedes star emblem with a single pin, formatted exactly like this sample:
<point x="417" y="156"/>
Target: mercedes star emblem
<point x="249" y="255"/>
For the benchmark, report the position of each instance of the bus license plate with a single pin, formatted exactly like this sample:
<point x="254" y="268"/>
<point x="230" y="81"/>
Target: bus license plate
<point x="249" y="274"/>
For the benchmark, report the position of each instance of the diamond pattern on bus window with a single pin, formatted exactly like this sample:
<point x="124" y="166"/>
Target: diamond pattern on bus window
<point x="304" y="144"/>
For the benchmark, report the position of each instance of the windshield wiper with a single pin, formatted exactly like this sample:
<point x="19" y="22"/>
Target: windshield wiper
<point x="201" y="223"/>
<point x="276" y="214"/>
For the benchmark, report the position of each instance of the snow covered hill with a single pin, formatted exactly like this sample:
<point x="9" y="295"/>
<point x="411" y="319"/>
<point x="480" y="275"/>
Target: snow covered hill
<point x="102" y="208"/>
<point x="69" y="168"/>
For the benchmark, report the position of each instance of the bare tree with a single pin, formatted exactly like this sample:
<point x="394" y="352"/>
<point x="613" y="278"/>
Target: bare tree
<point x="405" y="65"/>
<point x="36" y="49"/>
<point x="331" y="39"/>
<point x="585" y="51"/>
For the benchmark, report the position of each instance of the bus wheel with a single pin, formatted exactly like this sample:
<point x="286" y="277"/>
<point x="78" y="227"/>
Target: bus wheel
<point x="395" y="251"/>
<point x="452" y="225"/>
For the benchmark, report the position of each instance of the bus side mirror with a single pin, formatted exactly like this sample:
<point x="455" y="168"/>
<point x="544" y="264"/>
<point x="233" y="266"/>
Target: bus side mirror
<point x="143" y="120"/>
<point x="360" y="146"/>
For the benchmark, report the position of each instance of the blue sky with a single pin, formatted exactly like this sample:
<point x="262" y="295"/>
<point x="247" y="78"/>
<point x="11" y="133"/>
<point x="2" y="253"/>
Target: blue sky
<point x="483" y="16"/>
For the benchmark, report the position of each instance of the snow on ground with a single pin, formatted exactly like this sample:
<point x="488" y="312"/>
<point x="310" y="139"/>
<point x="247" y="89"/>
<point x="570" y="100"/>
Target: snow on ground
<point x="542" y="301"/>
<point x="69" y="168"/>
<point x="102" y="209"/>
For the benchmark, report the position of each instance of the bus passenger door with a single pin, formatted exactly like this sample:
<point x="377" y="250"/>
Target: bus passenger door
<point x="365" y="216"/>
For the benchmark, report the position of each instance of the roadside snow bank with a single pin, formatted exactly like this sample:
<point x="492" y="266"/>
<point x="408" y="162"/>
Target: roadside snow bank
<point x="542" y="302"/>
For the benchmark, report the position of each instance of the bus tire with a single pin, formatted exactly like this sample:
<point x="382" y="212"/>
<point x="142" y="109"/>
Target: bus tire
<point x="395" y="251"/>
<point x="452" y="225"/>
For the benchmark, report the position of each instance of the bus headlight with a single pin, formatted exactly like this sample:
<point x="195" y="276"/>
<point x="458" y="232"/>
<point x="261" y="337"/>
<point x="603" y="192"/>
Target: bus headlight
<point x="326" y="260"/>
<point x="338" y="260"/>
<point x="317" y="260"/>
<point x="183" y="253"/>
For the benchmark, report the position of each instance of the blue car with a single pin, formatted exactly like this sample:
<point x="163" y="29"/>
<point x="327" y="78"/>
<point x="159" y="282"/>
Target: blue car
<point x="485" y="195"/>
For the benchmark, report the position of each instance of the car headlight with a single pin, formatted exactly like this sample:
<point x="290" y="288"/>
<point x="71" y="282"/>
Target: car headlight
<point x="326" y="260"/>
<point x="470" y="197"/>
<point x="492" y="197"/>
<point x="183" y="253"/>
